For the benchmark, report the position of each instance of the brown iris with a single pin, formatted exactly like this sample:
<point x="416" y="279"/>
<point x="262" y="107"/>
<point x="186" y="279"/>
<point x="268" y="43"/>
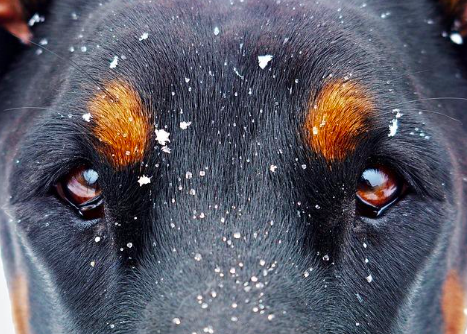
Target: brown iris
<point x="80" y="188"/>
<point x="378" y="188"/>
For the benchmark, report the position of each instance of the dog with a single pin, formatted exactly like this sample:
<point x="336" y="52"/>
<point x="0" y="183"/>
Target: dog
<point x="242" y="166"/>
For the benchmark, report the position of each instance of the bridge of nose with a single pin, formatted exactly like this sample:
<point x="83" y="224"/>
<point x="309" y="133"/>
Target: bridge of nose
<point x="229" y="263"/>
<point x="230" y="291"/>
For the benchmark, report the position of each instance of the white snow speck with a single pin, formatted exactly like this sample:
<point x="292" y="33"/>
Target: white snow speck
<point x="114" y="62"/>
<point x="238" y="73"/>
<point x="184" y="125"/>
<point x="263" y="61"/>
<point x="393" y="128"/>
<point x="93" y="264"/>
<point x="144" y="36"/>
<point x="142" y="180"/>
<point x="456" y="38"/>
<point x="398" y="113"/>
<point x="385" y="15"/>
<point x="97" y="239"/>
<point x="166" y="149"/>
<point x="162" y="137"/>
<point x="273" y="168"/>
<point x="36" y="18"/>
<point x="217" y="31"/>
<point x="87" y="117"/>
<point x="176" y="321"/>
<point x="369" y="278"/>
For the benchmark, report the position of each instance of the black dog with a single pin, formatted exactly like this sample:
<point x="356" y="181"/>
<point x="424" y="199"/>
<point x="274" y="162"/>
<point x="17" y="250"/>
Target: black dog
<point x="243" y="166"/>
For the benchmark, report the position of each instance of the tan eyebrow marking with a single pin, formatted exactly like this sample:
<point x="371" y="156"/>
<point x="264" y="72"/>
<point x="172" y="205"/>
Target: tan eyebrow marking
<point x="20" y="304"/>
<point x="453" y="304"/>
<point x="121" y="123"/>
<point x="336" y="118"/>
<point x="12" y="16"/>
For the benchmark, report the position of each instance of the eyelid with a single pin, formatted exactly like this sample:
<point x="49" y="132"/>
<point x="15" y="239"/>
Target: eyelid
<point x="422" y="166"/>
<point x="379" y="212"/>
<point x="89" y="205"/>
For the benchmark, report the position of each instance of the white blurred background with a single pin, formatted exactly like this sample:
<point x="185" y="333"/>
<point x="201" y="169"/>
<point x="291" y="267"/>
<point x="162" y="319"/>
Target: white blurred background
<point x="5" y="308"/>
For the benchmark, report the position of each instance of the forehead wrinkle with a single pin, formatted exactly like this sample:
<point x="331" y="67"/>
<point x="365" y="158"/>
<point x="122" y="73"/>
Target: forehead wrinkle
<point x="336" y="118"/>
<point x="121" y="123"/>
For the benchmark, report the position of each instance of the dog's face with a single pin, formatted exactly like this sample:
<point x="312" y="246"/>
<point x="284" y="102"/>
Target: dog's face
<point x="234" y="168"/>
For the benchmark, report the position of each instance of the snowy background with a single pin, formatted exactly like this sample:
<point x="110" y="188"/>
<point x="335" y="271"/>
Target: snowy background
<point x="5" y="309"/>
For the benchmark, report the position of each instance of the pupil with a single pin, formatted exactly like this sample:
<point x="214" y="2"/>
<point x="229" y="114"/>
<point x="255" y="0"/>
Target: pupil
<point x="90" y="176"/>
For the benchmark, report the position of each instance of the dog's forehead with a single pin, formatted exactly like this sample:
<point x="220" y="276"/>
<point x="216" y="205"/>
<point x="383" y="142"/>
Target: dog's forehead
<point x="123" y="125"/>
<point x="225" y="74"/>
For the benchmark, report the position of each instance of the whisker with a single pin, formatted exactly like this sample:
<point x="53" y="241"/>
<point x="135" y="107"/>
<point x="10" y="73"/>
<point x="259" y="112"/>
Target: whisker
<point x="438" y="113"/>
<point x="19" y="108"/>
<point x="77" y="67"/>
<point x="401" y="104"/>
<point x="435" y="99"/>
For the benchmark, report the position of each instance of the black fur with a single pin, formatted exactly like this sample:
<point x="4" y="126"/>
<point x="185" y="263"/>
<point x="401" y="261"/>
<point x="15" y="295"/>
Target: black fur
<point x="244" y="119"/>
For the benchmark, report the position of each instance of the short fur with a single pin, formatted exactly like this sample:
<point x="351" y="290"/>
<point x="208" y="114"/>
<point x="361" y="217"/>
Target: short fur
<point x="264" y="237"/>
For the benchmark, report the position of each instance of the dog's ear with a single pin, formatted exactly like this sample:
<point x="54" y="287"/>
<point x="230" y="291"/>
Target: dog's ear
<point x="14" y="15"/>
<point x="456" y="11"/>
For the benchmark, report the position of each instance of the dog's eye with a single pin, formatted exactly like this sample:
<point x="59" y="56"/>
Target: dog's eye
<point x="80" y="188"/>
<point x="378" y="188"/>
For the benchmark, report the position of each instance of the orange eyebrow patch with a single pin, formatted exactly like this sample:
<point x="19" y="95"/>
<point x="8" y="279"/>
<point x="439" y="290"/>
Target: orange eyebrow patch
<point x="12" y="19"/>
<point x="453" y="304"/>
<point x="20" y="305"/>
<point x="337" y="117"/>
<point x="120" y="123"/>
